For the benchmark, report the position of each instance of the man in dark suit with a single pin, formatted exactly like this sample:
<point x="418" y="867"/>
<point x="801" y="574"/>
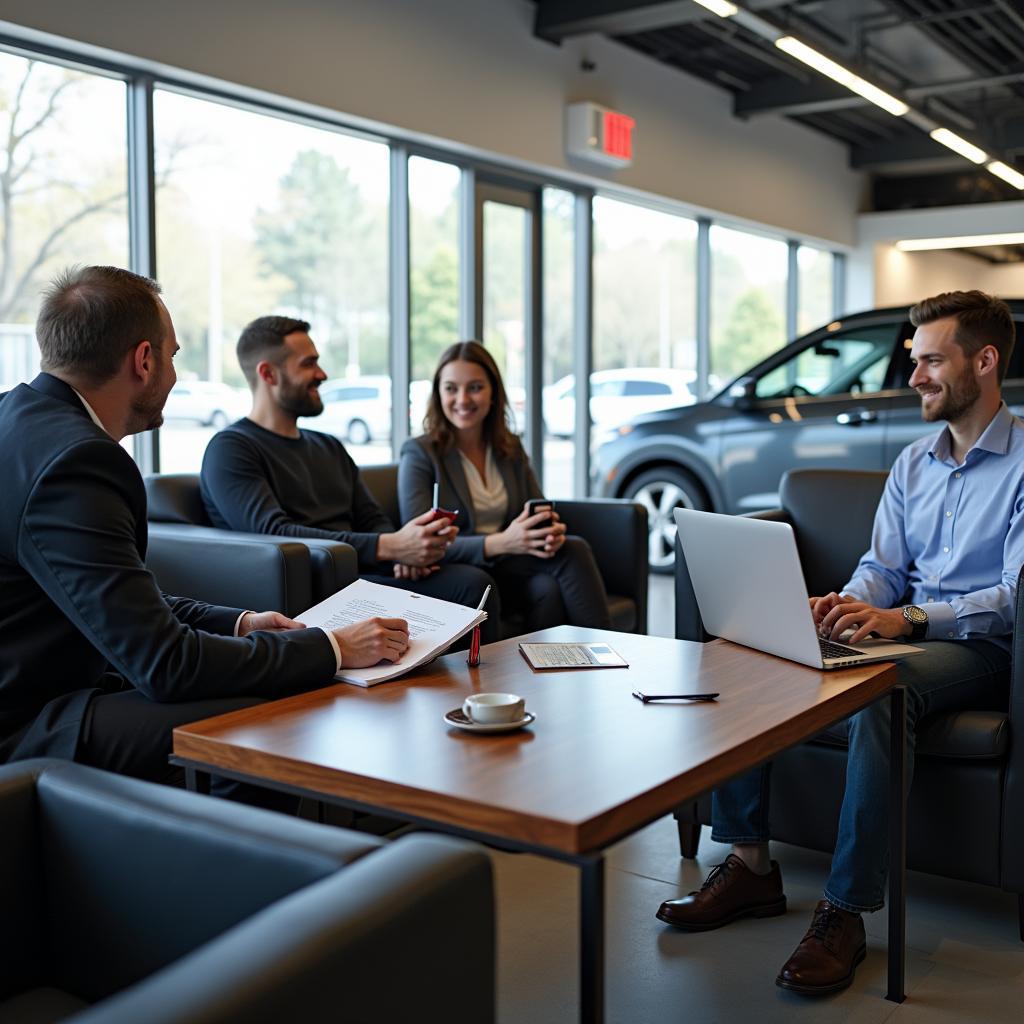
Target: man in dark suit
<point x="96" y="664"/>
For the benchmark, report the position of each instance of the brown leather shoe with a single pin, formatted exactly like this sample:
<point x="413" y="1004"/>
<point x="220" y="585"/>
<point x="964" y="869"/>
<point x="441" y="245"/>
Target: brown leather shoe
<point x="732" y="890"/>
<point x="827" y="957"/>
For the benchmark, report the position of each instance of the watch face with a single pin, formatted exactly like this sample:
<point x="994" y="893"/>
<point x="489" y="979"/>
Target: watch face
<point x="918" y="616"/>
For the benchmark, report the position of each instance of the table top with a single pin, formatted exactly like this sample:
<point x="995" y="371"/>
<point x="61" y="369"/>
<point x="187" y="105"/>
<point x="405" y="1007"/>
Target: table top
<point x="595" y="766"/>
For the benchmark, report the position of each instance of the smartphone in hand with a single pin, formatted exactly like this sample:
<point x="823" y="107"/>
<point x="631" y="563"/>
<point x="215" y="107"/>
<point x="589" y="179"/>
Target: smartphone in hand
<point x="540" y="505"/>
<point x="441" y="513"/>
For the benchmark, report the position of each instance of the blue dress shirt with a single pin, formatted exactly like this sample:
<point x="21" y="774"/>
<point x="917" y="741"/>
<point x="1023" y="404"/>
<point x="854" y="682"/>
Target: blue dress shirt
<point x="950" y="537"/>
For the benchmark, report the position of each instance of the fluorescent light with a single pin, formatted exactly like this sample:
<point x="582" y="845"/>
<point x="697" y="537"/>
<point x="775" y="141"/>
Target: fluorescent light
<point x="1000" y="170"/>
<point x="961" y="241"/>
<point x="722" y="8"/>
<point x="822" y="64"/>
<point x="958" y="145"/>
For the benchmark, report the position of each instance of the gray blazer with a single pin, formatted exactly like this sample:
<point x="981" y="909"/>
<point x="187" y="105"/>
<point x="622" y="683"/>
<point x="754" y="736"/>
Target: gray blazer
<point x="421" y="466"/>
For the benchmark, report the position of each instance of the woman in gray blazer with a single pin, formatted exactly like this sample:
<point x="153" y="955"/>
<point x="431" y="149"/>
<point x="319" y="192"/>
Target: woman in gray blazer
<point x="482" y="471"/>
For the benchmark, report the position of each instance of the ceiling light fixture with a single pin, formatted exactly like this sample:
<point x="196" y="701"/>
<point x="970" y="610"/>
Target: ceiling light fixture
<point x="722" y="8"/>
<point x="825" y="66"/>
<point x="1001" y="170"/>
<point x="961" y="241"/>
<point x="958" y="145"/>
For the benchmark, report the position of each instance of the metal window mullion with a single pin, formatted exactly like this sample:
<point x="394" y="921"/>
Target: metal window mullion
<point x="533" y="256"/>
<point x="839" y="265"/>
<point x="703" y="305"/>
<point x="583" y="330"/>
<point x="470" y="260"/>
<point x="142" y="222"/>
<point x="399" y="299"/>
<point x="792" y="289"/>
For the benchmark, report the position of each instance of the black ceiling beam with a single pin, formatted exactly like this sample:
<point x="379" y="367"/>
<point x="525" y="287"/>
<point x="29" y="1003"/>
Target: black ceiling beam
<point x="918" y="147"/>
<point x="787" y="96"/>
<point x="560" y="19"/>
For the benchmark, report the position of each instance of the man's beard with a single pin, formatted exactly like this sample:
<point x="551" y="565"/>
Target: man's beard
<point x="148" y="408"/>
<point x="957" y="398"/>
<point x="299" y="400"/>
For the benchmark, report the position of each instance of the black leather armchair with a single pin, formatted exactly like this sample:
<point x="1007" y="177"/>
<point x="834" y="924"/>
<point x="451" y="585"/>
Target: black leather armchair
<point x="616" y="530"/>
<point x="966" y="810"/>
<point x="190" y="557"/>
<point x="127" y="902"/>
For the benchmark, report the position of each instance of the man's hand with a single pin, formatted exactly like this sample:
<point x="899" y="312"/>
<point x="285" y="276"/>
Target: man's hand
<point x="373" y="640"/>
<point x="863" y="619"/>
<point x="270" y="622"/>
<point x="413" y="572"/>
<point x="419" y="543"/>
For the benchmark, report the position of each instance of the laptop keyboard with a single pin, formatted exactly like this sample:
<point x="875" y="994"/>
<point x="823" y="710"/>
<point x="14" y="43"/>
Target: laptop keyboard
<point x="830" y="649"/>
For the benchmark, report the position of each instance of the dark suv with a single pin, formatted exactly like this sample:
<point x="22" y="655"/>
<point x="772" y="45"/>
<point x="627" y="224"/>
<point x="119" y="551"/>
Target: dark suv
<point x="837" y="397"/>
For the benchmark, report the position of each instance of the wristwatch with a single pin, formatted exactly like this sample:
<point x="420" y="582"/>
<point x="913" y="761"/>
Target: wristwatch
<point x="918" y="619"/>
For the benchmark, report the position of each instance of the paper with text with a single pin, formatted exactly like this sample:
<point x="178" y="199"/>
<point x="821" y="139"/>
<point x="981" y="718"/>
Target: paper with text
<point x="434" y="625"/>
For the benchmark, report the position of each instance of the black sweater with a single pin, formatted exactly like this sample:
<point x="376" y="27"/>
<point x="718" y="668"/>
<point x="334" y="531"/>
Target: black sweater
<point x="256" y="481"/>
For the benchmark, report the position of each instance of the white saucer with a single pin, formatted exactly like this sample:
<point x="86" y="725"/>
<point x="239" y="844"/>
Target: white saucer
<point x="457" y="717"/>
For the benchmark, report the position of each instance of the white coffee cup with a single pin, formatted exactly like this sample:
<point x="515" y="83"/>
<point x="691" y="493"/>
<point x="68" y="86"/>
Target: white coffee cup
<point x="494" y="708"/>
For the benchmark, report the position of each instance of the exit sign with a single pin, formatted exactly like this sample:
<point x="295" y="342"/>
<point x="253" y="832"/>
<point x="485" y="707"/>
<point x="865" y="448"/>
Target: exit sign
<point x="599" y="135"/>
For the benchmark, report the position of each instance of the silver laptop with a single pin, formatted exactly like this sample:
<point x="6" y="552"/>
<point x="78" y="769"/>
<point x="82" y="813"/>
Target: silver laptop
<point x="750" y="589"/>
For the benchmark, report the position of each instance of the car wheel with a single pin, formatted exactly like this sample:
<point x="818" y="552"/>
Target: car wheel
<point x="219" y="420"/>
<point x="661" y="491"/>
<point x="358" y="433"/>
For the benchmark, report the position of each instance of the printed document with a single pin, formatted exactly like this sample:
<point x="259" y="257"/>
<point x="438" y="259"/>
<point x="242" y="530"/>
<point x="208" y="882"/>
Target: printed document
<point x="572" y="655"/>
<point x="434" y="625"/>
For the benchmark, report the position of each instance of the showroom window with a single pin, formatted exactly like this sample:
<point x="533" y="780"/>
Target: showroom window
<point x="645" y="320"/>
<point x="748" y="300"/>
<point x="815" y="288"/>
<point x="64" y="169"/>
<point x="259" y="215"/>
<point x="434" y="194"/>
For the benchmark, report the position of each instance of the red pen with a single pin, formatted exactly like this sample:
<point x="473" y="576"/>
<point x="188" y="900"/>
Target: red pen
<point x="473" y="658"/>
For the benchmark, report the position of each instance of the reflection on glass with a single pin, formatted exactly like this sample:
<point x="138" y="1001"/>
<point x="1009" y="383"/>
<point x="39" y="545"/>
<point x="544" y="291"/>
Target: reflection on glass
<point x="257" y="215"/>
<point x="64" y="170"/>
<point x="558" y="235"/>
<point x="645" y="348"/>
<point x="434" y="274"/>
<point x="505" y="237"/>
<point x="748" y="299"/>
<point x="815" y="304"/>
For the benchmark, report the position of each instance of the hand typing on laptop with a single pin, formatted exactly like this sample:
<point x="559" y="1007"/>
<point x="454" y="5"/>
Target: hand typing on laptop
<point x="836" y="614"/>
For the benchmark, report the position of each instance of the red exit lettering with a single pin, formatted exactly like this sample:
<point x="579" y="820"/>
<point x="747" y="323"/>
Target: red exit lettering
<point x="618" y="135"/>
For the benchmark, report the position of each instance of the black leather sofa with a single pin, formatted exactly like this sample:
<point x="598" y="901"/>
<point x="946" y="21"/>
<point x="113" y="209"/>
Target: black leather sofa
<point x="188" y="556"/>
<point x="126" y="902"/>
<point x="966" y="810"/>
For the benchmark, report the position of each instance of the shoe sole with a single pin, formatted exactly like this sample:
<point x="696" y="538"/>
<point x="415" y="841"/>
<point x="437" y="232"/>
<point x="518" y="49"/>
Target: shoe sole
<point x="825" y="990"/>
<point x="766" y="910"/>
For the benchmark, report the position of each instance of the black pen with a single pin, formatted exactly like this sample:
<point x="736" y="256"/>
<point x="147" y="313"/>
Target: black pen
<point x="646" y="698"/>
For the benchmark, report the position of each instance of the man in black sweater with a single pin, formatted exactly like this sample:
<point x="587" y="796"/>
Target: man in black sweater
<point x="263" y="474"/>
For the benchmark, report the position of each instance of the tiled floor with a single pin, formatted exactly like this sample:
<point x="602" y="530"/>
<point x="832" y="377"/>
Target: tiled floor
<point x="965" y="961"/>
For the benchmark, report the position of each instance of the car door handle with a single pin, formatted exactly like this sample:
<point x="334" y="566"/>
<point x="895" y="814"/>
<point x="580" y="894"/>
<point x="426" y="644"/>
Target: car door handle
<point x="855" y="417"/>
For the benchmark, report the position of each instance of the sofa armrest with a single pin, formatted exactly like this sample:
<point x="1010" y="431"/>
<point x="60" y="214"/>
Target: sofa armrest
<point x="616" y="530"/>
<point x="406" y="933"/>
<point x="240" y="570"/>
<point x="1012" y="858"/>
<point x="689" y="624"/>
<point x="333" y="565"/>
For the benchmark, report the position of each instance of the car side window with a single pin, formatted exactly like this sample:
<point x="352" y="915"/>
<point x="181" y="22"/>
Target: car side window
<point x="637" y="388"/>
<point x="853" y="362"/>
<point x="606" y="389"/>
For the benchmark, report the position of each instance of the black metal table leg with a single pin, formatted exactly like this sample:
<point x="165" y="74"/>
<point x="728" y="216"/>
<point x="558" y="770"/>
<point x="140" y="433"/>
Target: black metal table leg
<point x="592" y="940"/>
<point x="197" y="781"/>
<point x="897" y="845"/>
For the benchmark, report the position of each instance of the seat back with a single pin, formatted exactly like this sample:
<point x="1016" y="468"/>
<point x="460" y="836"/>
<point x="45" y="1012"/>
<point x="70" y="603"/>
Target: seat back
<point x="175" y="498"/>
<point x="382" y="483"/>
<point x="832" y="512"/>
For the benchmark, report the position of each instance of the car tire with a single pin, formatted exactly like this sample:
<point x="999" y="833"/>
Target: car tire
<point x="358" y="433"/>
<point x="219" y="420"/>
<point x="661" y="491"/>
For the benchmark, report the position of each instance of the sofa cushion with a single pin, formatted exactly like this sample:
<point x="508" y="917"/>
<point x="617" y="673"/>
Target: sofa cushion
<point x="965" y="735"/>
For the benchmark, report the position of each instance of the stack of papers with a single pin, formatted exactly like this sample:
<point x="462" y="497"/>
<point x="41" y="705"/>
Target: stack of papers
<point x="434" y="625"/>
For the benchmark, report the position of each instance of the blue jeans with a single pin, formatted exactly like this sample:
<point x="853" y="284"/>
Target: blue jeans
<point x="950" y="675"/>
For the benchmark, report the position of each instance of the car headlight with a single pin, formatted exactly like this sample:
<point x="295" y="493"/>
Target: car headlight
<point x="608" y="435"/>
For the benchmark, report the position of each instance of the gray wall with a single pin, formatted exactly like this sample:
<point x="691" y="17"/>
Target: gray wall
<point x="470" y="71"/>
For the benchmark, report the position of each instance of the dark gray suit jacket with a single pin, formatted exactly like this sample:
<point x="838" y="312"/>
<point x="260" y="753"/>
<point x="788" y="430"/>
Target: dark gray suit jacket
<point x="421" y="465"/>
<point x="79" y="611"/>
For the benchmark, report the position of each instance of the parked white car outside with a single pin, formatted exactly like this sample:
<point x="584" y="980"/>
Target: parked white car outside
<point x="356" y="409"/>
<point x="206" y="402"/>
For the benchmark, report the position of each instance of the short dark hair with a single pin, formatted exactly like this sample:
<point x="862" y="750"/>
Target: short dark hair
<point x="264" y="339"/>
<point x="982" y="320"/>
<point x="497" y="429"/>
<point x="92" y="317"/>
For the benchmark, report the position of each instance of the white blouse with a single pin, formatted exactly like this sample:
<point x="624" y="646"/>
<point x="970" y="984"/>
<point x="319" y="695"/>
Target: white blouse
<point x="490" y="498"/>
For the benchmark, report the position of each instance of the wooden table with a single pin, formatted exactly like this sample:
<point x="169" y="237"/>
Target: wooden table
<point x="595" y="767"/>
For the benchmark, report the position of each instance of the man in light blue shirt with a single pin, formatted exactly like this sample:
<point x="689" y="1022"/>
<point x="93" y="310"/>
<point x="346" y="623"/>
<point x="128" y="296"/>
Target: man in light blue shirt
<point x="946" y="550"/>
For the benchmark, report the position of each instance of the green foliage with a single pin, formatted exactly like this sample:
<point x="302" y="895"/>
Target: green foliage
<point x="435" y="310"/>
<point x="754" y="329"/>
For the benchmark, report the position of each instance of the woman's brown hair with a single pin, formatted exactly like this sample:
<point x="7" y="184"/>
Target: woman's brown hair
<point x="496" y="427"/>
